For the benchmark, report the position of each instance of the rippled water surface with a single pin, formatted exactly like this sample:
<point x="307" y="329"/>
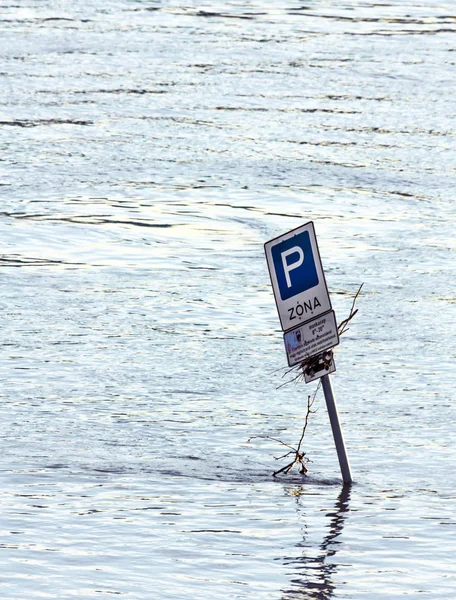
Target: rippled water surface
<point x="148" y="150"/>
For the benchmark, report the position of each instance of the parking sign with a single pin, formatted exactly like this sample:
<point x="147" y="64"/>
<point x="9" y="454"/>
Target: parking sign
<point x="297" y="276"/>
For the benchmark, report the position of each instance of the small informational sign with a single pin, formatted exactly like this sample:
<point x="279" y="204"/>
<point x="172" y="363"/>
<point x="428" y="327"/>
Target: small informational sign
<point x="297" y="276"/>
<point x="311" y="338"/>
<point x="322" y="365"/>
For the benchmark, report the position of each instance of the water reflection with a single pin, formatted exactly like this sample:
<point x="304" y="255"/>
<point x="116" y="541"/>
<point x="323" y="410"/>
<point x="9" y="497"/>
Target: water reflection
<point x="315" y="572"/>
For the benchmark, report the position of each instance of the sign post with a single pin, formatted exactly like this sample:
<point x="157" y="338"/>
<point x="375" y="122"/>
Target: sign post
<point x="336" y="429"/>
<point x="305" y="313"/>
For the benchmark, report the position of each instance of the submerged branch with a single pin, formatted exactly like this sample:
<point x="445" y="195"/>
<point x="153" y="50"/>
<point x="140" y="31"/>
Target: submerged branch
<point x="299" y="456"/>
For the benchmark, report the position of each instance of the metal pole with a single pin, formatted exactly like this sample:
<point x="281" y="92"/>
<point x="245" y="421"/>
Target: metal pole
<point x="336" y="429"/>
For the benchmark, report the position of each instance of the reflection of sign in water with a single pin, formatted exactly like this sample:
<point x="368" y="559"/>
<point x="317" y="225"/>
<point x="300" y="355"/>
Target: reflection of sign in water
<point x="315" y="566"/>
<point x="297" y="276"/>
<point x="312" y="338"/>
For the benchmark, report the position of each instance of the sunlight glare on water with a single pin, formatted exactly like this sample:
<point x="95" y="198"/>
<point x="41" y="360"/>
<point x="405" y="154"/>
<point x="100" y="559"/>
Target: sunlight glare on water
<point x="149" y="150"/>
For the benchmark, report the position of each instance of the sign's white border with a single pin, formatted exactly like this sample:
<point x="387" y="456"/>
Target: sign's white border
<point x="309" y="304"/>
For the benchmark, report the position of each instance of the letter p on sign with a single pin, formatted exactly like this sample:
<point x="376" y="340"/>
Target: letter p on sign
<point x="287" y="267"/>
<point x="294" y="265"/>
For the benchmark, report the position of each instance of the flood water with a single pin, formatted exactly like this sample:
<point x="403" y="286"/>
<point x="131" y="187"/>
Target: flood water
<point x="148" y="151"/>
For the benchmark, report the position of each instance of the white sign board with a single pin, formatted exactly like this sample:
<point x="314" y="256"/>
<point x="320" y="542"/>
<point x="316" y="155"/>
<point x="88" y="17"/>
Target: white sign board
<point x="297" y="276"/>
<point x="311" y="338"/>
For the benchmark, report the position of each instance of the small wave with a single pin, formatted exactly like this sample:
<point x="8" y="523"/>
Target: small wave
<point x="244" y="16"/>
<point x="40" y="122"/>
<point x="15" y="260"/>
<point x="139" y="91"/>
<point x="88" y="220"/>
<point x="45" y="20"/>
<point x="406" y="20"/>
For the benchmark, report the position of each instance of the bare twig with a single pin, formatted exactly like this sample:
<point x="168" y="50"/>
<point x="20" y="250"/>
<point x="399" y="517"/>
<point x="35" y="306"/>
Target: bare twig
<point x="268" y="437"/>
<point x="310" y="402"/>
<point x="285" y="455"/>
<point x="300" y="457"/>
<point x="342" y="327"/>
<point x="296" y="378"/>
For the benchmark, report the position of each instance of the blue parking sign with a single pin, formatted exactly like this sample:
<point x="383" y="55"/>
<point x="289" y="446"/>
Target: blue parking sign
<point x="297" y="276"/>
<point x="294" y="265"/>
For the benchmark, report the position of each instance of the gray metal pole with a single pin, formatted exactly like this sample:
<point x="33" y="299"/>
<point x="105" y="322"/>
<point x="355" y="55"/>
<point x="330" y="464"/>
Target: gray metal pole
<point x="336" y="429"/>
